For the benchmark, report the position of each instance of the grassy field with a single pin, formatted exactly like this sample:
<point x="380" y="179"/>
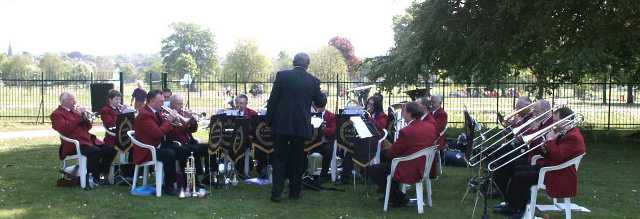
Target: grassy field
<point x="609" y="186"/>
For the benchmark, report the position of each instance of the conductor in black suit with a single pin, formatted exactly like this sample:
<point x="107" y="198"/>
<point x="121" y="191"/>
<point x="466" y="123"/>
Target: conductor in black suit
<point x="289" y="117"/>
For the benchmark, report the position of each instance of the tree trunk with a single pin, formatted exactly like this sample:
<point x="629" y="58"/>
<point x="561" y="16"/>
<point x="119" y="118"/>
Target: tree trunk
<point x="540" y="92"/>
<point x="630" y="96"/>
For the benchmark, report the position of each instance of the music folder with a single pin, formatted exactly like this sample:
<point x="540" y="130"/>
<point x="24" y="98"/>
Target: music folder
<point x="360" y="127"/>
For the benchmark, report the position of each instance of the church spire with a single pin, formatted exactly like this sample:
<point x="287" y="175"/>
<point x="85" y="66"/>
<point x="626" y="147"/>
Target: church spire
<point x="9" y="50"/>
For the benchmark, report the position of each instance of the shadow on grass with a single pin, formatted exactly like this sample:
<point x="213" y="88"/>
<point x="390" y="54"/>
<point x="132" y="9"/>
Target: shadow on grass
<point x="608" y="177"/>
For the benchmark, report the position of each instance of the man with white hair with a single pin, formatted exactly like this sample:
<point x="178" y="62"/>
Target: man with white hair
<point x="184" y="135"/>
<point x="69" y="122"/>
<point x="440" y="117"/>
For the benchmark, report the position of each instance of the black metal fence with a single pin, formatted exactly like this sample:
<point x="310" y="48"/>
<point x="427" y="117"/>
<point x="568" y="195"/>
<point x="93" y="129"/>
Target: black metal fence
<point x="603" y="103"/>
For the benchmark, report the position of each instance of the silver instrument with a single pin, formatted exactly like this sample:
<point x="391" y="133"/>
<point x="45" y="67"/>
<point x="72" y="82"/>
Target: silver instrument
<point x="564" y="124"/>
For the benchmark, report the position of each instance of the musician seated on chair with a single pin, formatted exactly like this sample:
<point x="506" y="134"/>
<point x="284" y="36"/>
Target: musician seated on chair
<point x="426" y="108"/>
<point x="522" y="116"/>
<point x="241" y="103"/>
<point x="328" y="135"/>
<point x="68" y="120"/>
<point x="184" y="134"/>
<point x="417" y="135"/>
<point x="109" y="115"/>
<point x="374" y="107"/>
<point x="561" y="145"/>
<point x="151" y="126"/>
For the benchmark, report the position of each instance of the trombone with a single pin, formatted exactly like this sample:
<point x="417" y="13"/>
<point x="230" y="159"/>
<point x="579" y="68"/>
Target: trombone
<point x="566" y="123"/>
<point x="500" y="123"/>
<point x="517" y="131"/>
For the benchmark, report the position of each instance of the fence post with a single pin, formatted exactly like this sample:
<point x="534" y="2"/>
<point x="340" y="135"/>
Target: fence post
<point x="150" y="81"/>
<point x="236" y="83"/>
<point x="497" y="100"/>
<point x="42" y="95"/>
<point x="337" y="92"/>
<point x="121" y="77"/>
<point x="609" y="114"/>
<point x="164" y="80"/>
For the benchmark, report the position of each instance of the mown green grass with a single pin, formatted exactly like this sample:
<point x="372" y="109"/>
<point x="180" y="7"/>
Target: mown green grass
<point x="609" y="186"/>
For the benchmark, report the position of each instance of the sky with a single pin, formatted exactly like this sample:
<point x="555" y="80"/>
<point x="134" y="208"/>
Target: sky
<point x="110" y="27"/>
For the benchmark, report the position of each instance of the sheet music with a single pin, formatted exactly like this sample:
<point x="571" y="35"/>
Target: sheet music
<point x="316" y="122"/>
<point x="361" y="127"/>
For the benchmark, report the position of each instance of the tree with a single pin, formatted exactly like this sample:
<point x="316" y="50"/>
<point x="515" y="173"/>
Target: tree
<point x="19" y="67"/>
<point x="488" y="41"/>
<point x="247" y="62"/>
<point x="105" y="64"/>
<point x="283" y="62"/>
<point x="129" y="72"/>
<point x="54" y="67"/>
<point x="327" y="63"/>
<point x="192" y="39"/>
<point x="81" y="70"/>
<point x="346" y="48"/>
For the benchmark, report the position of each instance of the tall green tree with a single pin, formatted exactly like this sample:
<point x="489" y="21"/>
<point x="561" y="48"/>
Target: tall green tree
<point x="105" y="64"/>
<point x="54" y="67"/>
<point x="327" y="63"/>
<point x="480" y="41"/>
<point x="19" y="67"/>
<point x="282" y="62"/>
<point x="194" y="40"/>
<point x="247" y="62"/>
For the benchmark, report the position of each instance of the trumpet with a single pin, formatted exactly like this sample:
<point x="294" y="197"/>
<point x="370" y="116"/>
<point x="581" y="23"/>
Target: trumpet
<point x="564" y="124"/>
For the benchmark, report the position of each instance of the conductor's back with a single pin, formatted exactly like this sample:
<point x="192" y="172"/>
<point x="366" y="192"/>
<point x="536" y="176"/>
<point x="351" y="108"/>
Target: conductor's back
<point x="289" y="116"/>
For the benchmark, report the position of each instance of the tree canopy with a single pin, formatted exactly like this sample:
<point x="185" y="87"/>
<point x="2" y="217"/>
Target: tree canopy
<point x="247" y="62"/>
<point x="192" y="39"/>
<point x="481" y="41"/>
<point x="327" y="63"/>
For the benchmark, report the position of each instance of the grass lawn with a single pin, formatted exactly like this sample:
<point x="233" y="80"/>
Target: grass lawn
<point x="609" y="186"/>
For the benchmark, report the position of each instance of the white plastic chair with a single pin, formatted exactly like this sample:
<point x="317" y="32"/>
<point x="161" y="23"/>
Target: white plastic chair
<point x="82" y="161"/>
<point x="429" y="154"/>
<point x="376" y="159"/>
<point x="153" y="162"/>
<point x="334" y="161"/>
<point x="567" y="206"/>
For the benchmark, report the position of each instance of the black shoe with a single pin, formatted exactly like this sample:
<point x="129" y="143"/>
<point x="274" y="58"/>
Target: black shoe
<point x="169" y="191"/>
<point x="295" y="197"/>
<point x="517" y="215"/>
<point x="506" y="210"/>
<point x="276" y="199"/>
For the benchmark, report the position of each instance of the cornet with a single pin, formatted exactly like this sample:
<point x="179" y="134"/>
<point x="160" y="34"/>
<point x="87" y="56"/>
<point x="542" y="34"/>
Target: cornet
<point x="179" y="119"/>
<point x="87" y="115"/>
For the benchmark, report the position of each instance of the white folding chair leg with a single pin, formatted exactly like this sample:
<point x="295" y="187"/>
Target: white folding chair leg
<point x="428" y="184"/>
<point x="567" y="208"/>
<point x="159" y="178"/>
<point x="145" y="174"/>
<point x="135" y="178"/>
<point x="531" y="208"/>
<point x="419" y="197"/>
<point x="111" y="177"/>
<point x="334" y="163"/>
<point x="386" y="193"/>
<point x="82" y="162"/>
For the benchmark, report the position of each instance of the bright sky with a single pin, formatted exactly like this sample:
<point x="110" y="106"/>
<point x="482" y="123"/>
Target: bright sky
<point x="110" y="27"/>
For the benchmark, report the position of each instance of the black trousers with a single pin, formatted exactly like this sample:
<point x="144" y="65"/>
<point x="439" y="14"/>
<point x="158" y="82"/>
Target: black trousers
<point x="378" y="173"/>
<point x="347" y="164"/>
<point x="288" y="163"/>
<point x="518" y="193"/>
<point x="503" y="176"/>
<point x="99" y="158"/>
<point x="262" y="160"/>
<point x="324" y="150"/>
<point x="169" y="153"/>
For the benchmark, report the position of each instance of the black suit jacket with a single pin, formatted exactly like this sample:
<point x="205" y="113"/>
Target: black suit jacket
<point x="289" y="105"/>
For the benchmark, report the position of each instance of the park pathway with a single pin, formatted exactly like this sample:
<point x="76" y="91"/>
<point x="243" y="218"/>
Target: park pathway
<point x="8" y="135"/>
